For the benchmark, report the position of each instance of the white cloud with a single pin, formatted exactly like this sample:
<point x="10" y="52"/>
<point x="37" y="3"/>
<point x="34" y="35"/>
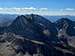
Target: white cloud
<point x="40" y="11"/>
<point x="30" y="8"/>
<point x="25" y="10"/>
<point x="43" y="8"/>
<point x="70" y="9"/>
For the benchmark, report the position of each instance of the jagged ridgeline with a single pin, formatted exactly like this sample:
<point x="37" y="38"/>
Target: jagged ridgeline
<point x="33" y="26"/>
<point x="67" y="23"/>
<point x="35" y="35"/>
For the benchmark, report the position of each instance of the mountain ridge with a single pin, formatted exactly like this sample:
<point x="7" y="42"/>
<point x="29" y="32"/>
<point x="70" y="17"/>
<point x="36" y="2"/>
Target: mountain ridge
<point x="37" y="29"/>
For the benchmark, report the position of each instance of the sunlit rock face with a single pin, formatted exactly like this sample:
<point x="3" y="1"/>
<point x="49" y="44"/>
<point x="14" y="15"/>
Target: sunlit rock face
<point x="20" y="46"/>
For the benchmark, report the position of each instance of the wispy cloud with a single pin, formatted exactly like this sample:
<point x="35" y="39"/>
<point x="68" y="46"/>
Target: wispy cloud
<point x="25" y="10"/>
<point x="40" y="11"/>
<point x="70" y="9"/>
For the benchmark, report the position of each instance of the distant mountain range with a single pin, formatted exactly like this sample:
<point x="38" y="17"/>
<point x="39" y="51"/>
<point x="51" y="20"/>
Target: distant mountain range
<point x="6" y="19"/>
<point x="36" y="28"/>
<point x="28" y="25"/>
<point x="55" y="18"/>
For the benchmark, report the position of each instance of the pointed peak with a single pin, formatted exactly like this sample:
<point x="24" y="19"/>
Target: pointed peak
<point x="20" y="16"/>
<point x="64" y="19"/>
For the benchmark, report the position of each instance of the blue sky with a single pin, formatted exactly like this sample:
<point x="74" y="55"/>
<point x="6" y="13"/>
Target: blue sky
<point x="54" y="4"/>
<point x="51" y="7"/>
